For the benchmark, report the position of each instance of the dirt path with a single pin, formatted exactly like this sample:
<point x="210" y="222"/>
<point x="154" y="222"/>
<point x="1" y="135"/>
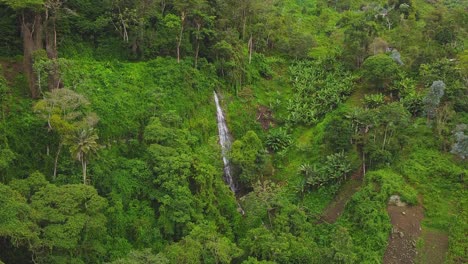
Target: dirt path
<point x="336" y="208"/>
<point x="406" y="221"/>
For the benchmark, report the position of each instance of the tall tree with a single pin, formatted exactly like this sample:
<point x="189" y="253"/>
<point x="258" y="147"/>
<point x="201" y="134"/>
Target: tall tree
<point x="38" y="29"/>
<point x="83" y="146"/>
<point x="65" y="112"/>
<point x="31" y="19"/>
<point x="186" y="9"/>
<point x="358" y="35"/>
<point x="380" y="70"/>
<point x="71" y="222"/>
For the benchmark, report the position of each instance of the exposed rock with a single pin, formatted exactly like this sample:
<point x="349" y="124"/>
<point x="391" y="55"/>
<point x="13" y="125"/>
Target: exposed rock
<point x="396" y="200"/>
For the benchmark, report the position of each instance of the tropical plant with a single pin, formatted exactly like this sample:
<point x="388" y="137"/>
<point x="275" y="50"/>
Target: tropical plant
<point x="278" y="139"/>
<point x="83" y="146"/>
<point x="319" y="86"/>
<point x="374" y="100"/>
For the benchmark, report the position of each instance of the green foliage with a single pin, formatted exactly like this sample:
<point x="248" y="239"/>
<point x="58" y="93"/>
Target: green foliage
<point x="409" y="96"/>
<point x="342" y="246"/>
<point x="279" y="231"/>
<point x="280" y="247"/>
<point x="83" y="146"/>
<point x="203" y="245"/>
<point x="6" y="159"/>
<point x="319" y="87"/>
<point x="337" y="134"/>
<point x="24" y="4"/>
<point x="11" y="44"/>
<point x="57" y="224"/>
<point x="27" y="188"/>
<point x="457" y="239"/>
<point x="379" y="70"/>
<point x="380" y="132"/>
<point x="445" y="70"/>
<point x="440" y="181"/>
<point x="334" y="169"/>
<point x="144" y="256"/>
<point x="159" y="172"/>
<point x="358" y="34"/>
<point x="248" y="154"/>
<point x="278" y="139"/>
<point x="125" y="96"/>
<point x="16" y="221"/>
<point x="64" y="110"/>
<point x="374" y="100"/>
<point x="72" y="221"/>
<point x="252" y="260"/>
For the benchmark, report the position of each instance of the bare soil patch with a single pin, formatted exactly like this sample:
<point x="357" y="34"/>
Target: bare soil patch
<point x="406" y="221"/>
<point x="265" y="117"/>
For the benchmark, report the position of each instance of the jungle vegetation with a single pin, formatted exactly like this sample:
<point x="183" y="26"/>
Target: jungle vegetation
<point x="109" y="144"/>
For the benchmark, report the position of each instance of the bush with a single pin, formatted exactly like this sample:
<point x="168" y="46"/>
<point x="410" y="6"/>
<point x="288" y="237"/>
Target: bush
<point x="248" y="154"/>
<point x="278" y="139"/>
<point x="337" y="135"/>
<point x="380" y="70"/>
<point x="335" y="169"/>
<point x="373" y="100"/>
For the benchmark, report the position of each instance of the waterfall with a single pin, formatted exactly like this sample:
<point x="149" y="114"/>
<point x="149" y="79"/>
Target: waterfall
<point x="225" y="142"/>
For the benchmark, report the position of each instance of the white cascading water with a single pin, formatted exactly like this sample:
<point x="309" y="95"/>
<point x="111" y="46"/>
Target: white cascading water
<point x="225" y="142"/>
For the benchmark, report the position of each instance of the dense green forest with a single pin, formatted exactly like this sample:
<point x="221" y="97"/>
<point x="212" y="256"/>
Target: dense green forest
<point x="348" y="121"/>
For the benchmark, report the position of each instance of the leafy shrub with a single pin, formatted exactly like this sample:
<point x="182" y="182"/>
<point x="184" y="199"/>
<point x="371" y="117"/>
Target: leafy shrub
<point x="278" y="139"/>
<point x="335" y="169"/>
<point x="374" y="100"/>
<point x="248" y="154"/>
<point x="380" y="70"/>
<point x="413" y="103"/>
<point x="337" y="135"/>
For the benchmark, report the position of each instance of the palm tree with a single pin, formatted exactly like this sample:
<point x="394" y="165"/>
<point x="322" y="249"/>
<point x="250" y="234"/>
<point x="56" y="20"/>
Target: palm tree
<point x="83" y="146"/>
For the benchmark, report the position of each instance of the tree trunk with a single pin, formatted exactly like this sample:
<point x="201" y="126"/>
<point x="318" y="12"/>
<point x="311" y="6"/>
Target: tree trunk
<point x="363" y="163"/>
<point x="31" y="30"/>
<point x="385" y="137"/>
<point x="56" y="160"/>
<point x="250" y="48"/>
<point x="83" y="166"/>
<point x="197" y="49"/>
<point x="179" y="40"/>
<point x="163" y="7"/>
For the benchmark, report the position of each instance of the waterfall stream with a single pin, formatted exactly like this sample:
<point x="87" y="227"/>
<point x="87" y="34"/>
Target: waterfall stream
<point x="225" y="142"/>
